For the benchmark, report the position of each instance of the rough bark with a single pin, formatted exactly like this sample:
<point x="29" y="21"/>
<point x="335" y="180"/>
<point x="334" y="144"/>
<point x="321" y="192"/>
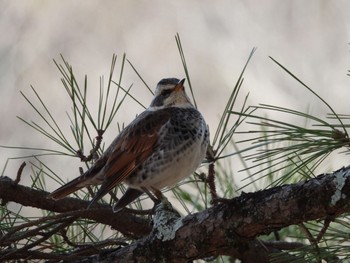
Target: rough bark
<point x="230" y="228"/>
<point x="126" y="222"/>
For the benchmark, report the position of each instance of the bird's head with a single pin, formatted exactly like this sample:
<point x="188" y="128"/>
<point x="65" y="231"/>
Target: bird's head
<point x="170" y="92"/>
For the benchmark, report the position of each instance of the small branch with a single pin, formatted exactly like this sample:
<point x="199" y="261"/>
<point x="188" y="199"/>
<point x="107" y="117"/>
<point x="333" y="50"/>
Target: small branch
<point x="283" y="245"/>
<point x="211" y="183"/>
<point x="44" y="237"/>
<point x="308" y="234"/>
<point x="94" y="245"/>
<point x="19" y="173"/>
<point x="211" y="175"/>
<point x="91" y="192"/>
<point x="327" y="221"/>
<point x="22" y="232"/>
<point x="94" y="150"/>
<point x="124" y="221"/>
<point x="63" y="233"/>
<point x="311" y="239"/>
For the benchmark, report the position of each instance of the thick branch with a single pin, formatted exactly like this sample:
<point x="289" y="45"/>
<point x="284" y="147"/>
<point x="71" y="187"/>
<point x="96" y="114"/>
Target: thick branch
<point x="230" y="228"/>
<point x="124" y="222"/>
<point x="226" y="229"/>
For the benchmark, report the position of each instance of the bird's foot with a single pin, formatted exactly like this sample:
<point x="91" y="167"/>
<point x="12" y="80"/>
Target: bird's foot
<point x="154" y="194"/>
<point x="161" y="203"/>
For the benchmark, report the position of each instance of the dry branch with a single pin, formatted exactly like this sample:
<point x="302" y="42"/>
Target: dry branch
<point x="123" y="222"/>
<point x="230" y="228"/>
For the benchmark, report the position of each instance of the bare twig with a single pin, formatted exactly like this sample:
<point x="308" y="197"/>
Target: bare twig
<point x="211" y="176"/>
<point x="17" y="233"/>
<point x="127" y="222"/>
<point x="307" y="233"/>
<point x="19" y="173"/>
<point x="94" y="150"/>
<point x="283" y="245"/>
<point x="325" y="226"/>
<point x="45" y="236"/>
<point x="311" y="239"/>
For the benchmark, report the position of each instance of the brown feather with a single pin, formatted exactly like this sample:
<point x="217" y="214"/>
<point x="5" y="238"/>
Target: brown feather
<point x="130" y="149"/>
<point x="130" y="195"/>
<point x="84" y="180"/>
<point x="136" y="144"/>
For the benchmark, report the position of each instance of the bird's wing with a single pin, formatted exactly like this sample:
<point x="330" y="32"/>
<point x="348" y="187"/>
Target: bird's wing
<point x="134" y="145"/>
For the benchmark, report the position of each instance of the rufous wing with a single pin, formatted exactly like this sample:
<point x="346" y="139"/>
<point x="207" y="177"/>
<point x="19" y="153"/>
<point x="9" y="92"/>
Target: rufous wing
<point x="136" y="143"/>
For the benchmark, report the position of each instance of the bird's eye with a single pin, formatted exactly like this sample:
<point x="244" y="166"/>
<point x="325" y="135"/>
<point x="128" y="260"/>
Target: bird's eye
<point x="166" y="92"/>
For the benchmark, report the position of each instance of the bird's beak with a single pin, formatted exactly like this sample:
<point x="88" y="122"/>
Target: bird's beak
<point x="180" y="86"/>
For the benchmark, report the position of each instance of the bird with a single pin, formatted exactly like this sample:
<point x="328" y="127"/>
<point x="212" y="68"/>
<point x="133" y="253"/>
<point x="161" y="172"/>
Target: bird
<point x="162" y="146"/>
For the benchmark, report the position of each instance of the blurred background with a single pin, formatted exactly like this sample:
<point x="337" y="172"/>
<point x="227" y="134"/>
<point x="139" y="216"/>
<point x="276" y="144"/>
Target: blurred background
<point x="310" y="38"/>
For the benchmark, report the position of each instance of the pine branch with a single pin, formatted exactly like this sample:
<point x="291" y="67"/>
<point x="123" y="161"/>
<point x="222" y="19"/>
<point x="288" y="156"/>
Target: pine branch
<point x="214" y="231"/>
<point x="231" y="228"/>
<point x="127" y="223"/>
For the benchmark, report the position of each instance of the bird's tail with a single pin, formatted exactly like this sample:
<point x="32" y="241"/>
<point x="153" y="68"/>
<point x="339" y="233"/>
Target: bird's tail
<point x="67" y="189"/>
<point x="130" y="195"/>
<point x="88" y="178"/>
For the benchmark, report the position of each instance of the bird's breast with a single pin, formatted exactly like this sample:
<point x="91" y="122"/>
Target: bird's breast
<point x="181" y="148"/>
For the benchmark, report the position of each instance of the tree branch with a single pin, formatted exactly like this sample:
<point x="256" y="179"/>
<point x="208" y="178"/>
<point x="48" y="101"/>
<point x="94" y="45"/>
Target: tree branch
<point x="126" y="222"/>
<point x="231" y="228"/>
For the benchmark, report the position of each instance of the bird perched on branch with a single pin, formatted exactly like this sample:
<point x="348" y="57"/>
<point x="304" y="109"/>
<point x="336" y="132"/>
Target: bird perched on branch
<point x="160" y="147"/>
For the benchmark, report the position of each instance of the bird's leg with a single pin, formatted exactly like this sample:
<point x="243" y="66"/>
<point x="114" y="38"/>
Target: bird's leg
<point x="151" y="195"/>
<point x="160" y="201"/>
<point x="163" y="205"/>
<point x="158" y="194"/>
<point x="155" y="194"/>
